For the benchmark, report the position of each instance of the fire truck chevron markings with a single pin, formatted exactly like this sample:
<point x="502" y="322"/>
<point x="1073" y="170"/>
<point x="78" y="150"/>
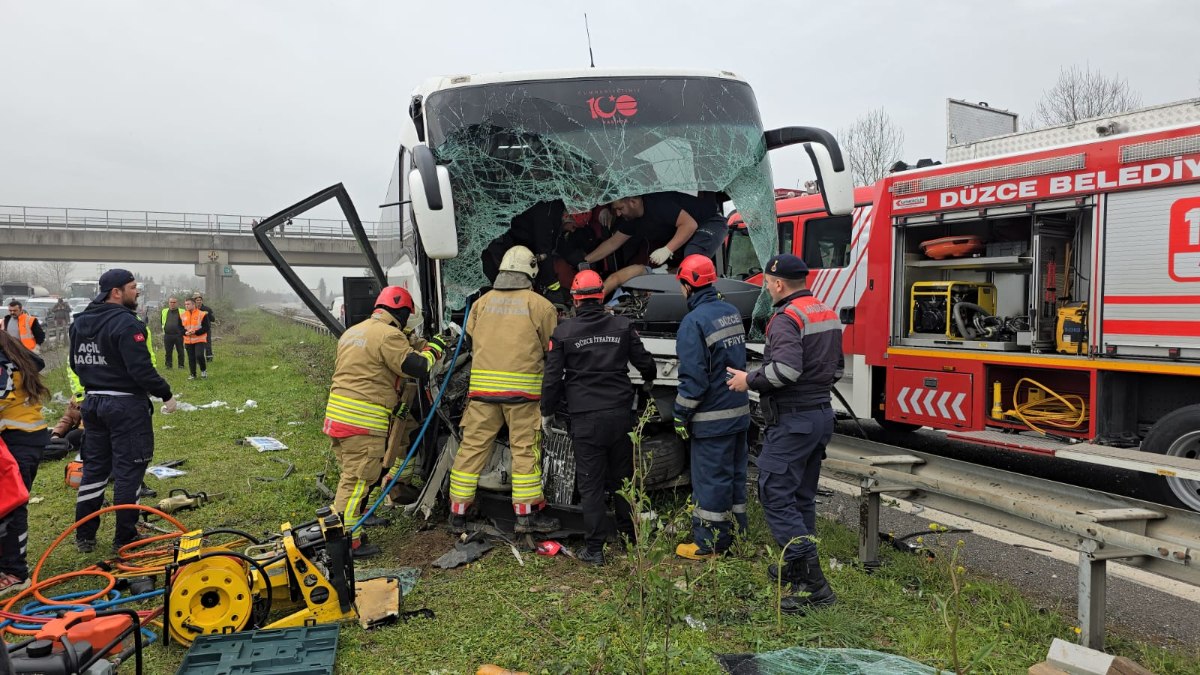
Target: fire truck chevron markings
<point x="957" y="407"/>
<point x="929" y="402"/>
<point x="942" y="404"/>
<point x="947" y="406"/>
<point x="900" y="400"/>
<point x="916" y="401"/>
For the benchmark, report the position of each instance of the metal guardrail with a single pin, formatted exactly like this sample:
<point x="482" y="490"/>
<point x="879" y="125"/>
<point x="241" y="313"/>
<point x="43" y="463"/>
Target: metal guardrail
<point x="168" y="222"/>
<point x="306" y="321"/>
<point x="1097" y="525"/>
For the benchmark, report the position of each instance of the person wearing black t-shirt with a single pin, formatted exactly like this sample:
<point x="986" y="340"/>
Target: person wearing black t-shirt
<point x="674" y="224"/>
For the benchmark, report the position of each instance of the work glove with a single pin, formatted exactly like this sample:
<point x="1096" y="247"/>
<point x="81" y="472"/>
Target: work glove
<point x="437" y="345"/>
<point x="648" y="387"/>
<point x="583" y="266"/>
<point x="169" y="406"/>
<point x="400" y="411"/>
<point x="681" y="429"/>
<point x="661" y="255"/>
<point x="547" y="424"/>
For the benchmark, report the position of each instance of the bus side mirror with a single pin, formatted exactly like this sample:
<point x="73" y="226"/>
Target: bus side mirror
<point x="433" y="205"/>
<point x="833" y="172"/>
<point x="837" y="187"/>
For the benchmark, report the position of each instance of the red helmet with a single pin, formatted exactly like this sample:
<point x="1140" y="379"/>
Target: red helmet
<point x="587" y="286"/>
<point x="696" y="271"/>
<point x="394" y="297"/>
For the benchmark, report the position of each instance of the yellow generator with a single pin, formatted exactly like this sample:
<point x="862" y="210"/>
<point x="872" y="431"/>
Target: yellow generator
<point x="1071" y="334"/>
<point x="931" y="309"/>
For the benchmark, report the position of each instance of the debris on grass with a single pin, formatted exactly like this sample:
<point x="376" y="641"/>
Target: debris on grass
<point x="263" y="443"/>
<point x="162" y="472"/>
<point x="463" y="553"/>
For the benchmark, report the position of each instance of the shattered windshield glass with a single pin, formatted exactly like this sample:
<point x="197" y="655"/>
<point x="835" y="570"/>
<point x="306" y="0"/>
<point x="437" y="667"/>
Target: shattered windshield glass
<point x="589" y="141"/>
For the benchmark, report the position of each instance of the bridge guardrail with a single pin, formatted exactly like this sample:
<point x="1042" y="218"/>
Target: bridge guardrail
<point x="169" y="222"/>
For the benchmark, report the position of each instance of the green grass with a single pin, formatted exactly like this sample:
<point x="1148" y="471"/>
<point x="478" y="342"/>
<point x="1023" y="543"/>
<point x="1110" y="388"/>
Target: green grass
<point x="550" y="615"/>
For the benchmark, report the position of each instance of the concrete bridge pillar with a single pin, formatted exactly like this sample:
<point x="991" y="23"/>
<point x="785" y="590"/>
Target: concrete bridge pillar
<point x="214" y="286"/>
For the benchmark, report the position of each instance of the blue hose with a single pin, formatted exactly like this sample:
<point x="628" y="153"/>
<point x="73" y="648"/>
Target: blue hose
<point x="428" y="418"/>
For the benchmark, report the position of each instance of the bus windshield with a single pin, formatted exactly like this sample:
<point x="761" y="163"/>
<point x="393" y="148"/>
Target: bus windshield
<point x="588" y="141"/>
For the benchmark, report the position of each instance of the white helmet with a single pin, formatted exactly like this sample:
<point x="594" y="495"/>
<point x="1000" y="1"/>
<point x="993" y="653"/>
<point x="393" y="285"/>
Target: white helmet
<point x="519" y="259"/>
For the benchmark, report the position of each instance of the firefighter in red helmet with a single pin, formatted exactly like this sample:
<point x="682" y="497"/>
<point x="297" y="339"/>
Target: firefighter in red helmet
<point x="374" y="359"/>
<point x="587" y="367"/>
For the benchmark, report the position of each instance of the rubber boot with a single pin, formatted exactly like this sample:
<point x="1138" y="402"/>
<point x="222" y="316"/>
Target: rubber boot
<point x="818" y="592"/>
<point x="791" y="575"/>
<point x="457" y="523"/>
<point x="536" y="522"/>
<point x="361" y="548"/>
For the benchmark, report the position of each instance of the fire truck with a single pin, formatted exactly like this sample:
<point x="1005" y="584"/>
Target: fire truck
<point x="1045" y="300"/>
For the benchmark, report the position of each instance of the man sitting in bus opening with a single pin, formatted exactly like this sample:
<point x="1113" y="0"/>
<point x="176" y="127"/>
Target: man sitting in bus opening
<point x="675" y="225"/>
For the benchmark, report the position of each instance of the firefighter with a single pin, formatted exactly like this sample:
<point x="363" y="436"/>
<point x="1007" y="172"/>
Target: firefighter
<point x="711" y="338"/>
<point x="588" y="365"/>
<point x="510" y="327"/>
<point x="24" y="326"/>
<point x="374" y="357"/>
<point x="802" y="361"/>
<point x="109" y="356"/>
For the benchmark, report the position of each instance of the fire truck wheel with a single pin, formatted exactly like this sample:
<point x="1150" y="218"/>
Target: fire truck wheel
<point x="1176" y="434"/>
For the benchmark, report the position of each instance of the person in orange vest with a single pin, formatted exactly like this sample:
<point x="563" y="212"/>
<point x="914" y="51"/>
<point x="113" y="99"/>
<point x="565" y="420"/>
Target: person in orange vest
<point x="195" y="337"/>
<point x="24" y="326"/>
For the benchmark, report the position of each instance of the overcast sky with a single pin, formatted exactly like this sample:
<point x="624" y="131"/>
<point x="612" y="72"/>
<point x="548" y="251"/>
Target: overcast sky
<point x="245" y="107"/>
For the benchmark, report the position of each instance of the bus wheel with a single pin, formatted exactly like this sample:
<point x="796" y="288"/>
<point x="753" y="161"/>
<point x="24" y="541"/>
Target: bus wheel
<point x="1176" y="434"/>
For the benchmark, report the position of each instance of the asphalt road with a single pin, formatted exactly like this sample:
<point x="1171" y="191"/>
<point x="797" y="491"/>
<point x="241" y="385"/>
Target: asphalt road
<point x="1132" y="608"/>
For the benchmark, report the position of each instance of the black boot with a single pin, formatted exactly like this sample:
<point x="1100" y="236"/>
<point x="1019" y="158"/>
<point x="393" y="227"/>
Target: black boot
<point x="457" y="523"/>
<point x="813" y="583"/>
<point x="792" y="574"/>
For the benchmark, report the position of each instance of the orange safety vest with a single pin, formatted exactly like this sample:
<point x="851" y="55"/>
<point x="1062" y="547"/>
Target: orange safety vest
<point x="193" y="320"/>
<point x="25" y="326"/>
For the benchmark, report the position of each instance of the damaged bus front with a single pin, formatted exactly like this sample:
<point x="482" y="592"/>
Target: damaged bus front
<point x="490" y="160"/>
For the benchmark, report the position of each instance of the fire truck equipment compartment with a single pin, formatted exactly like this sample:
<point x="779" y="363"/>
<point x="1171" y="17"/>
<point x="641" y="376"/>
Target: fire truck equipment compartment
<point x="932" y="305"/>
<point x="931" y="397"/>
<point x="952" y="247"/>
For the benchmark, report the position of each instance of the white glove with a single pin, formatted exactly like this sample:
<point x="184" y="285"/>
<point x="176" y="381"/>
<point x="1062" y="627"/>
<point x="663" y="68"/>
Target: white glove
<point x="660" y="256"/>
<point x="169" y="406"/>
<point x="547" y="420"/>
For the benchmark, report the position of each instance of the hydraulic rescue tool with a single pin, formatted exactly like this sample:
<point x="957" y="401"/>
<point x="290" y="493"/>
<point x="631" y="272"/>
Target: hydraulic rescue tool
<point x="307" y="568"/>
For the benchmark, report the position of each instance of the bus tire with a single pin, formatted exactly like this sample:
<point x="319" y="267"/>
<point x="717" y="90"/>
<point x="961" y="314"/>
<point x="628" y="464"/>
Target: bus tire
<point x="1176" y="434"/>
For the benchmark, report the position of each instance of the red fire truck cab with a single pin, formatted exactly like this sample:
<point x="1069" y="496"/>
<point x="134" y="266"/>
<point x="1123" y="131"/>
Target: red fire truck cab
<point x="1046" y="301"/>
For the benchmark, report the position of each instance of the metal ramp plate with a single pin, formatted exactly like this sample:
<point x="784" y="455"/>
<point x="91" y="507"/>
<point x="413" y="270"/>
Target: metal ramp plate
<point x="1131" y="459"/>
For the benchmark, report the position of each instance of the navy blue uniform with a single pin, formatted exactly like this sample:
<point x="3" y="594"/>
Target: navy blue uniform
<point x="711" y="338"/>
<point x="802" y="361"/>
<point x="109" y="355"/>
<point x="588" y="366"/>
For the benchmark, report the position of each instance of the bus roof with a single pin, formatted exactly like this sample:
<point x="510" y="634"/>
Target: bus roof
<point x="452" y="81"/>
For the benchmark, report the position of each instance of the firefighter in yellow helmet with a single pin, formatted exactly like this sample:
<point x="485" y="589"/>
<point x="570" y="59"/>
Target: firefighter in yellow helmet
<point x="374" y="360"/>
<point x="510" y="329"/>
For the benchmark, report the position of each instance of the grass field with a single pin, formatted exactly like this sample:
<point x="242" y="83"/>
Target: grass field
<point x="547" y="615"/>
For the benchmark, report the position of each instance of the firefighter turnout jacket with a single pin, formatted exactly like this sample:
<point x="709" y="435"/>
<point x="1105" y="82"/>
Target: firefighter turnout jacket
<point x="15" y="410"/>
<point x="803" y="356"/>
<point x="510" y="331"/>
<point x="108" y="353"/>
<point x="374" y="357"/>
<point x="711" y="337"/>
<point x="588" y="363"/>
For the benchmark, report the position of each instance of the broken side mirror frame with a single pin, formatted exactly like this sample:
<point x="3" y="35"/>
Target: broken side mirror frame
<point x="433" y="205"/>
<point x="833" y="174"/>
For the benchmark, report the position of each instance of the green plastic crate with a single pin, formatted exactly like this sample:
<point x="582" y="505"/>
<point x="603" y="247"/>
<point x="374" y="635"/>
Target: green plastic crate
<point x="309" y="650"/>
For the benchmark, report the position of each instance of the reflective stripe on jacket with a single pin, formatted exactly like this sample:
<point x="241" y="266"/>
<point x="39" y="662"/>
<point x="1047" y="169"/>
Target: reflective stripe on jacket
<point x="25" y="326"/>
<point x="510" y="331"/>
<point x="193" y="320"/>
<point x="15" y="410"/>
<point x="367" y="377"/>
<point x="803" y="356"/>
<point x="711" y="338"/>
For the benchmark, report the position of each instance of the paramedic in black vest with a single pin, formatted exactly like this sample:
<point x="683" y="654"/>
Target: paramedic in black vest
<point x="587" y="364"/>
<point x="109" y="355"/>
<point x="802" y="361"/>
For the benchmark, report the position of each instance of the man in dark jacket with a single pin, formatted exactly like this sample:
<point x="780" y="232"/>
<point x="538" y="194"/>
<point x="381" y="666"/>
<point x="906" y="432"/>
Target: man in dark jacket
<point x="172" y="327"/>
<point x="802" y="361"/>
<point x="109" y="356"/>
<point x="711" y="338"/>
<point x="588" y="365"/>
